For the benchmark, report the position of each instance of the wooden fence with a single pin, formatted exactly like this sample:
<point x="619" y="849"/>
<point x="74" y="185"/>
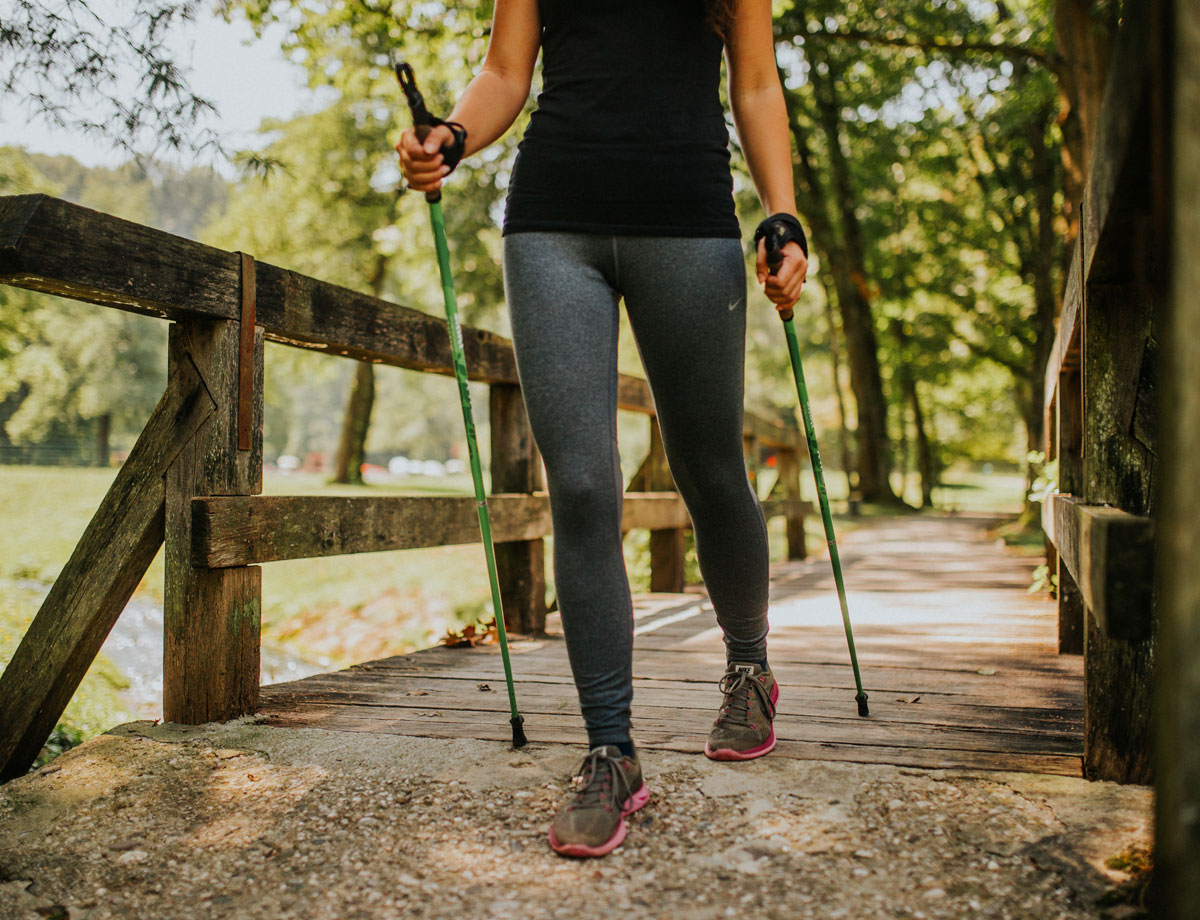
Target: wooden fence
<point x="1101" y="409"/>
<point x="194" y="476"/>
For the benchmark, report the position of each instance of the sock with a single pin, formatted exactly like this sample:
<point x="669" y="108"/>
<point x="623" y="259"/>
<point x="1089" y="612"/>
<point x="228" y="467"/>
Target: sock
<point x="626" y="748"/>
<point x="763" y="664"/>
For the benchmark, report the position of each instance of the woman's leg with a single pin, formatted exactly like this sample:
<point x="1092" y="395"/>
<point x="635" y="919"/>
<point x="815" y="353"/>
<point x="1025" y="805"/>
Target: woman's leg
<point x="565" y="321"/>
<point x="686" y="300"/>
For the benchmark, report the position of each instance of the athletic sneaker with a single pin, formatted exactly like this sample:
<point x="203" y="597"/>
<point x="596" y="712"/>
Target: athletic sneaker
<point x="743" y="729"/>
<point x="607" y="787"/>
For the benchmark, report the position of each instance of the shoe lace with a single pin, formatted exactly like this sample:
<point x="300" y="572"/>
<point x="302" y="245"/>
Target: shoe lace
<point x="600" y="781"/>
<point x="737" y="687"/>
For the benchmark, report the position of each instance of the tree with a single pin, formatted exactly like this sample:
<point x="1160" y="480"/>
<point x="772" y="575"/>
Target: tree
<point x="347" y="48"/>
<point x="69" y="66"/>
<point x="888" y="107"/>
<point x="71" y="371"/>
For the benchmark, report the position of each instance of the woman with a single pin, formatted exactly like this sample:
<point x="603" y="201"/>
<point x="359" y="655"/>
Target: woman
<point x="622" y="189"/>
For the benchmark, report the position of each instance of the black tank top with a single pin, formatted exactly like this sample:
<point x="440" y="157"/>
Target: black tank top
<point x="629" y="134"/>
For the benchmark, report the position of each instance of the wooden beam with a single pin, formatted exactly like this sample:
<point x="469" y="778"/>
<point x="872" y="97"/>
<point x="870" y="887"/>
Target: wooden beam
<point x="211" y="619"/>
<point x="98" y="580"/>
<point x="770" y="433"/>
<point x="517" y="468"/>
<point x="787" y="486"/>
<point x="51" y="245"/>
<point x="1069" y="435"/>
<point x="1110" y="554"/>
<point x="1064" y="353"/>
<point x="1117" y="185"/>
<point x="245" y="530"/>
<point x="786" y="507"/>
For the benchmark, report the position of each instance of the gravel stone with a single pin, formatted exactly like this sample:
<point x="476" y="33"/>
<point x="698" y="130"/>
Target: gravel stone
<point x="241" y="820"/>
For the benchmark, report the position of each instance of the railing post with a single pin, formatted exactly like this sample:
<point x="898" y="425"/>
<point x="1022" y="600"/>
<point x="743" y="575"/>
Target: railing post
<point x="212" y="616"/>
<point x="667" y="547"/>
<point x="1117" y="324"/>
<point x="789" y="479"/>
<point x="517" y="467"/>
<point x="750" y="452"/>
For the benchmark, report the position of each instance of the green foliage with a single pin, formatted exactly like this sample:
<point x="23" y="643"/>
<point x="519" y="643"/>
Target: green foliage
<point x="1044" y="474"/>
<point x="1043" y="580"/>
<point x="944" y="117"/>
<point x="63" y="364"/>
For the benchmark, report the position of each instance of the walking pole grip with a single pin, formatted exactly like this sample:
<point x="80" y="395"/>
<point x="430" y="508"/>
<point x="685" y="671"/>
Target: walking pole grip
<point x="422" y="120"/>
<point x="774" y="263"/>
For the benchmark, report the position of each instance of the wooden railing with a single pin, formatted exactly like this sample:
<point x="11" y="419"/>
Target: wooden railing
<point x="1101" y="411"/>
<point x="193" y="480"/>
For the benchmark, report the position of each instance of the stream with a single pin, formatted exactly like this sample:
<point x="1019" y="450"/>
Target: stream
<point x="135" y="647"/>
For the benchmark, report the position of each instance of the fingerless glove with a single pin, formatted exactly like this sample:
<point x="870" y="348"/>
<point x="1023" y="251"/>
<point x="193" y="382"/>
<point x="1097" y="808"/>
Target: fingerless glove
<point x="452" y="153"/>
<point x="782" y="228"/>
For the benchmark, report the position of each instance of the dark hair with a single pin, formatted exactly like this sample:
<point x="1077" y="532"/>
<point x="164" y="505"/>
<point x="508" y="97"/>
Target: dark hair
<point x="719" y="15"/>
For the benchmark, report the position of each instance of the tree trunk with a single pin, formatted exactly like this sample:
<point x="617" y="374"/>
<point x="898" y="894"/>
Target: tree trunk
<point x="835" y="349"/>
<point x="841" y="250"/>
<point x="850" y="277"/>
<point x="924" y="451"/>
<point x="103" y="431"/>
<point x="908" y="387"/>
<point x="352" y="447"/>
<point x="347" y="467"/>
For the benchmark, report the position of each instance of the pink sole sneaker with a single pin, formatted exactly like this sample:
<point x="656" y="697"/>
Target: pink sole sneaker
<point x="636" y="801"/>
<point x="765" y="748"/>
<point x="729" y="754"/>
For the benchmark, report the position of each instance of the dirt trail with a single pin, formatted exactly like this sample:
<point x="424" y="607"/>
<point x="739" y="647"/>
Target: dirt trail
<point x="246" y="821"/>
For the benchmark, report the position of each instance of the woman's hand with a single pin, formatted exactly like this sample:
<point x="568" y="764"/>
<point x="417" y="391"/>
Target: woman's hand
<point x="783" y="287"/>
<point x="423" y="166"/>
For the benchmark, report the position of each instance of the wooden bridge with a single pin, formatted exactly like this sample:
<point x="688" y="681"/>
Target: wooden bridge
<point x="192" y="480"/>
<point x="963" y="668"/>
<point x="959" y="659"/>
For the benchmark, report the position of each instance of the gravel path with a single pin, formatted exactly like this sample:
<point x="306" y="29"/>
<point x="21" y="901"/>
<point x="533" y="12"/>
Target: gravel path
<point x="246" y="821"/>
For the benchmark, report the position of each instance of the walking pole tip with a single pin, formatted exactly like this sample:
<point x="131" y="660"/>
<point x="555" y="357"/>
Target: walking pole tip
<point x="518" y="723"/>
<point x="861" y="696"/>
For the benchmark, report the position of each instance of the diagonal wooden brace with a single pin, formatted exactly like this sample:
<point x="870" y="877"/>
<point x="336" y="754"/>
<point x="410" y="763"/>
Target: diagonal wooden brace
<point x="98" y="580"/>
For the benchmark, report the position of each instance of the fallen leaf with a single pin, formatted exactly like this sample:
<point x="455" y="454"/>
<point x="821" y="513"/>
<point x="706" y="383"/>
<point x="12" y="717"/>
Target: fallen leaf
<point x="417" y="693"/>
<point x="484" y="688"/>
<point x="986" y="672"/>
<point x="470" y="636"/>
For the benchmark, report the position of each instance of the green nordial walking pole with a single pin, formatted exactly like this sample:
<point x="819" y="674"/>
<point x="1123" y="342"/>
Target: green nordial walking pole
<point x="423" y="127"/>
<point x="774" y="261"/>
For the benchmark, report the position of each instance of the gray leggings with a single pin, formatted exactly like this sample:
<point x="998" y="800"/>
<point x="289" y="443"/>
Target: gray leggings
<point x="686" y="300"/>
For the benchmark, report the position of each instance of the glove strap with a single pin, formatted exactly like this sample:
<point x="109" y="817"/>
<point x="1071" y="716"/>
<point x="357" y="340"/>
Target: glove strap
<point x="779" y="229"/>
<point x="452" y="153"/>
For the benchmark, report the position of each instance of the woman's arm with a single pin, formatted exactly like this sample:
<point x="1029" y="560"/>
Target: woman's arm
<point x="760" y="115"/>
<point x="492" y="100"/>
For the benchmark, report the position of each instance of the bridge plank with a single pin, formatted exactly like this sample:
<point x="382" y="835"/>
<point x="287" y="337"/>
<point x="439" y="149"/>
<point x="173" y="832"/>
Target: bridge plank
<point x="673" y="737"/>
